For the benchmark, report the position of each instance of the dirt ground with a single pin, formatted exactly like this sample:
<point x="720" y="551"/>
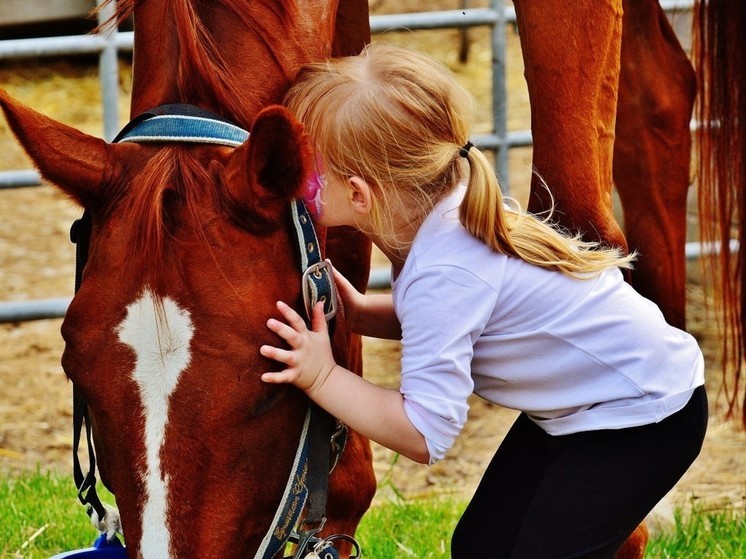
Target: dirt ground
<point x="37" y="262"/>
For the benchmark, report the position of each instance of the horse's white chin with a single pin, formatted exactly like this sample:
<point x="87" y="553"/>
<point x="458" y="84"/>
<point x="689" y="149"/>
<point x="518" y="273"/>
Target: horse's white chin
<point x="110" y="524"/>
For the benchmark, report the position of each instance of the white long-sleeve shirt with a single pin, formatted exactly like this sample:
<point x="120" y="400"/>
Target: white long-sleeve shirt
<point x="574" y="354"/>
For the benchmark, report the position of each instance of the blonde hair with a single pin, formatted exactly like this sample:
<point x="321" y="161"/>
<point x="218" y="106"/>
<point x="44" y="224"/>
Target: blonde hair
<point x="398" y="119"/>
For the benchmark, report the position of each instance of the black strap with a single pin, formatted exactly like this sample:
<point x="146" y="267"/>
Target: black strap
<point x="86" y="483"/>
<point x="80" y="234"/>
<point x="322" y="425"/>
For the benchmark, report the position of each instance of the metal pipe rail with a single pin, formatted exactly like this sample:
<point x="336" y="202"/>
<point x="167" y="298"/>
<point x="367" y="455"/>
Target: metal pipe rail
<point x="380" y="279"/>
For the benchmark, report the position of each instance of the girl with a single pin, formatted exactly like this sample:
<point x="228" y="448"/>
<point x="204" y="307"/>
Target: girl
<point x="491" y="300"/>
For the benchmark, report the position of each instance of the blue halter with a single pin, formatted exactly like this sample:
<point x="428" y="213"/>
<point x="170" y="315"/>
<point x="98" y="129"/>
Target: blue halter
<point x="182" y="123"/>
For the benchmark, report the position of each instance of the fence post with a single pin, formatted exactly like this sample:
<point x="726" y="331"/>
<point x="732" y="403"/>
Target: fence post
<point x="499" y="94"/>
<point x="109" y="70"/>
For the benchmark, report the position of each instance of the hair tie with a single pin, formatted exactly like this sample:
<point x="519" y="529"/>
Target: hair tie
<point x="464" y="151"/>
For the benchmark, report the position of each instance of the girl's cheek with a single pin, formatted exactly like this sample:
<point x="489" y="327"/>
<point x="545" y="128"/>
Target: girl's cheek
<point x="312" y="195"/>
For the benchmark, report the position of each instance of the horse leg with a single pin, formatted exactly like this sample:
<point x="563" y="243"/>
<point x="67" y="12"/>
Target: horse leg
<point x="652" y="153"/>
<point x="634" y="546"/>
<point x="571" y="55"/>
<point x="572" y="72"/>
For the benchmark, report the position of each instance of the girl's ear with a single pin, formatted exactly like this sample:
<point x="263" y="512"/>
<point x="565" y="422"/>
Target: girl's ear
<point x="361" y="197"/>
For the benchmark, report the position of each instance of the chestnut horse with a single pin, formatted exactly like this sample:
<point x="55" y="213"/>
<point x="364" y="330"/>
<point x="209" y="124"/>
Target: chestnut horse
<point x="612" y="93"/>
<point x="191" y="246"/>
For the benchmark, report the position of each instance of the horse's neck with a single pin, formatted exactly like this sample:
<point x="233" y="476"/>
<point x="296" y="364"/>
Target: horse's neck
<point x="258" y="67"/>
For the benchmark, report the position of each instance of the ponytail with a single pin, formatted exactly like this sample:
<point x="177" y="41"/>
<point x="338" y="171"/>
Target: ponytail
<point x="510" y="231"/>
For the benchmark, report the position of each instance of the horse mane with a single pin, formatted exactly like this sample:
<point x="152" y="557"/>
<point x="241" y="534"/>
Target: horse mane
<point x="203" y="72"/>
<point x="720" y="61"/>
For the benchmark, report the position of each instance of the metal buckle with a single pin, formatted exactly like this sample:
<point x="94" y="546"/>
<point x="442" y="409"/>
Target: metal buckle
<point x="309" y="286"/>
<point x="306" y="537"/>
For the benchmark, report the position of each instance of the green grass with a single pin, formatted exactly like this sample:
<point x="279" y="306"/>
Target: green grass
<point x="718" y="534"/>
<point x="422" y="529"/>
<point x="412" y="528"/>
<point x="40" y="516"/>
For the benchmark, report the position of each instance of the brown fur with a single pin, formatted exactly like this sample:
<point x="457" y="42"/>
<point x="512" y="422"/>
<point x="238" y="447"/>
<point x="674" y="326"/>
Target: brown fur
<point x="652" y="153"/>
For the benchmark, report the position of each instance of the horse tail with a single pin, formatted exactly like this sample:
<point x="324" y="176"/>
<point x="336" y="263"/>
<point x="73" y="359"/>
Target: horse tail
<point x="720" y="61"/>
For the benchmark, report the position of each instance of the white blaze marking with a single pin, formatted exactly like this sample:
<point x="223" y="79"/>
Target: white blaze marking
<point x="159" y="333"/>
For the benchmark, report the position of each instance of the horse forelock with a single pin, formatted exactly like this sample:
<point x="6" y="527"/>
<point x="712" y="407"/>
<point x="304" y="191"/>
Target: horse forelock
<point x="173" y="191"/>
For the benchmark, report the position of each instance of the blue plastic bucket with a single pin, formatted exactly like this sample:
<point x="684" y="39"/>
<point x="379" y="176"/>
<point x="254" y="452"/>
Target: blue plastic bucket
<point x="101" y="549"/>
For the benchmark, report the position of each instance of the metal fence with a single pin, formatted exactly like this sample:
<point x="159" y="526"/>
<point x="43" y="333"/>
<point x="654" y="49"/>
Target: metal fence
<point x="109" y="43"/>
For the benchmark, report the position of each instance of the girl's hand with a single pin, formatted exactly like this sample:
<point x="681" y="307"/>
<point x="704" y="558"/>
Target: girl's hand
<point x="352" y="299"/>
<point x="374" y="412"/>
<point x="309" y="359"/>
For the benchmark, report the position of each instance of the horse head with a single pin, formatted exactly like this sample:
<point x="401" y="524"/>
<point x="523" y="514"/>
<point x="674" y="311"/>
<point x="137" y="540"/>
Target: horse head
<point x="190" y="248"/>
<point x="191" y="245"/>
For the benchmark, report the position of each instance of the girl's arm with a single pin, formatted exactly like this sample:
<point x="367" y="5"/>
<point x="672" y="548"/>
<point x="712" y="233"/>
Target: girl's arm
<point x="368" y="315"/>
<point x="374" y="412"/>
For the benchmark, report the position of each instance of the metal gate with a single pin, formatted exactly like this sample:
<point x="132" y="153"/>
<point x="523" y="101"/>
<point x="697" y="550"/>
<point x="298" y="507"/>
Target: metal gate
<point x="109" y="43"/>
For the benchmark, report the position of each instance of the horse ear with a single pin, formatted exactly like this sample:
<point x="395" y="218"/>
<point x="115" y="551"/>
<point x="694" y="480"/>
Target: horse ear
<point x="73" y="160"/>
<point x="351" y="28"/>
<point x="268" y="170"/>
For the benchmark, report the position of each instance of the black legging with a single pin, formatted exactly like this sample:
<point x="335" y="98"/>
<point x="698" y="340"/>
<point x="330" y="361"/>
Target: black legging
<point x="579" y="495"/>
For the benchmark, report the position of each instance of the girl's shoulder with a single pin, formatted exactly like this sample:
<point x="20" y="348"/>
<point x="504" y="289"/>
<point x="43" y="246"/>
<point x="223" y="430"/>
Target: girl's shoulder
<point x="443" y="238"/>
<point x="447" y="258"/>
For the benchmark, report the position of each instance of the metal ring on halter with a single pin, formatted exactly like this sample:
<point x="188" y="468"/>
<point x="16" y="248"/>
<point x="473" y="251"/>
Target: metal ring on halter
<point x="344" y="537"/>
